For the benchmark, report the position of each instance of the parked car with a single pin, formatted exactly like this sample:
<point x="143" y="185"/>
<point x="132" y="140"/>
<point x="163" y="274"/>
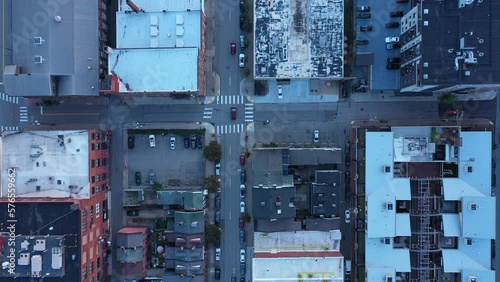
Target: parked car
<point x="233" y="112"/>
<point x="242" y="41"/>
<point x="363" y="8"/>
<point x="193" y="141"/>
<point x="452" y="112"/>
<point x="217" y="254"/>
<point x="241" y="222"/>
<point x="242" y="6"/>
<point x="217" y="169"/>
<point x="243" y="176"/>
<point x="242" y="60"/>
<point x="172" y="143"/>
<point x="131" y="142"/>
<point x="347" y="216"/>
<point x="233" y="277"/>
<point x="242" y="191"/>
<point x="242" y="255"/>
<point x="199" y="141"/>
<point x="280" y="92"/>
<point x="393" y="60"/>
<point x="365" y="28"/>
<point x="242" y="207"/>
<point x="186" y="142"/>
<point x="217" y="216"/>
<point x="242" y="236"/>
<point x="232" y="48"/>
<point x="392" y="25"/>
<point x="392" y="66"/>
<point x="402" y="1"/>
<point x="316" y="136"/>
<point x="138" y="178"/>
<point x="242" y="269"/>
<point x="242" y="21"/>
<point x="152" y="141"/>
<point x="391" y="39"/>
<point x="217" y="273"/>
<point x="133" y="213"/>
<point x="364" y="15"/>
<point x="152" y="179"/>
<point x="396" y="14"/>
<point x="242" y="159"/>
<point x="362" y="41"/>
<point x="390" y="46"/>
<point x="217" y="202"/>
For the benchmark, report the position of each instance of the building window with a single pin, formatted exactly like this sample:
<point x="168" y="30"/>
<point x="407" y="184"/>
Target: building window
<point x="97" y="136"/>
<point x="92" y="164"/>
<point x="104" y="176"/>
<point x="98" y="188"/>
<point x="97" y="146"/>
<point x="92" y="136"/>
<point x="84" y="225"/>
<point x="98" y="178"/>
<point x="91" y="210"/>
<point x="98" y="264"/>
<point x="104" y="161"/>
<point x="93" y="179"/>
<point x="93" y="190"/>
<point x="92" y="146"/>
<point x="84" y="273"/>
<point x="98" y="278"/>
<point x="97" y="210"/>
<point x="84" y="213"/>
<point x="91" y="268"/>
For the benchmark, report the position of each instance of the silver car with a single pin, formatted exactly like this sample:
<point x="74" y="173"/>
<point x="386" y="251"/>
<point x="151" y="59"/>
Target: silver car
<point x="316" y="136"/>
<point x="172" y="143"/>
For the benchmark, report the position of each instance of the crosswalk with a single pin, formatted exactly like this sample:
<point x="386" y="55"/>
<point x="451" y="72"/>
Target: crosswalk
<point x="7" y="98"/>
<point x="207" y="113"/>
<point x="230" y="100"/>
<point x="8" y="128"/>
<point x="229" y="129"/>
<point x="23" y="114"/>
<point x="248" y="112"/>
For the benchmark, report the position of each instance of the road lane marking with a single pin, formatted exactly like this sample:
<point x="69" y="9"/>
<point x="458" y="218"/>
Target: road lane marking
<point x="229" y="81"/>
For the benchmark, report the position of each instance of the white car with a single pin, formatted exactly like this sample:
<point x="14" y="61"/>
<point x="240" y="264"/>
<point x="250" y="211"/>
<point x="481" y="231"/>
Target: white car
<point x="152" y="141"/>
<point x="217" y="169"/>
<point x="242" y="60"/>
<point x="172" y="143"/>
<point x="217" y="254"/>
<point x="316" y="136"/>
<point x="347" y="216"/>
<point x="391" y="39"/>
<point x="280" y="92"/>
<point x="242" y="255"/>
<point x="242" y="207"/>
<point x="242" y="191"/>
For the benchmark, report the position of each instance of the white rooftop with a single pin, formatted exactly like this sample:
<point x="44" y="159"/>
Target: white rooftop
<point x="52" y="164"/>
<point x="320" y="269"/>
<point x="476" y="152"/>
<point x="379" y="274"/>
<point x="160" y="5"/>
<point x="299" y="241"/>
<point x="476" y="256"/>
<point x="381" y="255"/>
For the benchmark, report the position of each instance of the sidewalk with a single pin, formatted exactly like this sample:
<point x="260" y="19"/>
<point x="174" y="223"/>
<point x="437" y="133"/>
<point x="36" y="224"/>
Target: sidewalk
<point x="377" y="97"/>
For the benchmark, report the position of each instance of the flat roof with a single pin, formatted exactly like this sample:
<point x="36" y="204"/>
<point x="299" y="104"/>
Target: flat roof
<point x="160" y="5"/>
<point x="452" y="226"/>
<point x="475" y="256"/>
<point x="68" y="45"/>
<point x="314" y="268"/>
<point x="52" y="164"/>
<point x="303" y="241"/>
<point x="315" y="156"/>
<point x="483" y="213"/>
<point x="299" y="39"/>
<point x="380" y="255"/>
<point x="273" y="203"/>
<point x="473" y="154"/>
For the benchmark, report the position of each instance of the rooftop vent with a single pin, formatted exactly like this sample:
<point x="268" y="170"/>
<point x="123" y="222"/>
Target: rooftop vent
<point x="387" y="241"/>
<point x="262" y="204"/>
<point x="472" y="279"/>
<point x="472" y="206"/>
<point x="468" y="169"/>
<point x="468" y="241"/>
<point x="38" y="59"/>
<point x="388" y="278"/>
<point x="387" y="169"/>
<point x="388" y="206"/>
<point x="39" y="40"/>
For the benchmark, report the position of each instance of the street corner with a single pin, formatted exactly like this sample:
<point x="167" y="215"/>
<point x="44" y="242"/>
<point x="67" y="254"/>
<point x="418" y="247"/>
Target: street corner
<point x="250" y="127"/>
<point x="250" y="99"/>
<point x="209" y="100"/>
<point x="209" y="127"/>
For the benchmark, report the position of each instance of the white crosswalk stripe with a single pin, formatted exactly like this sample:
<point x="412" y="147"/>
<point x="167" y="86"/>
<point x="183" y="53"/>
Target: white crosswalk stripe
<point x="230" y="128"/>
<point x="207" y="112"/>
<point x="9" y="128"/>
<point x="7" y="98"/>
<point x="231" y="100"/>
<point x="23" y="114"/>
<point x="249" y="112"/>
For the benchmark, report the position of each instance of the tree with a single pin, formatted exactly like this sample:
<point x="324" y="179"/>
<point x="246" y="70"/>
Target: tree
<point x="213" y="152"/>
<point x="212" y="235"/>
<point x="447" y="99"/>
<point x="157" y="186"/>
<point x="212" y="183"/>
<point x="247" y="217"/>
<point x="247" y="72"/>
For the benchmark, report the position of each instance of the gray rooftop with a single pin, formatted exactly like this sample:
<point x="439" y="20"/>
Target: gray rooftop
<point x="299" y="39"/>
<point x="315" y="156"/>
<point x="325" y="194"/>
<point x="273" y="203"/>
<point x="190" y="200"/>
<point x="56" y="55"/>
<point x="189" y="222"/>
<point x="130" y="240"/>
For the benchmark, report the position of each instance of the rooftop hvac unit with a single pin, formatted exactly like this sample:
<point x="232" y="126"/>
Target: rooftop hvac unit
<point x="389" y="206"/>
<point x="39" y="59"/>
<point x="387" y="169"/>
<point x="388" y="278"/>
<point x="468" y="241"/>
<point x="472" y="279"/>
<point x="472" y="206"/>
<point x="468" y="168"/>
<point x="387" y="241"/>
<point x="39" y="40"/>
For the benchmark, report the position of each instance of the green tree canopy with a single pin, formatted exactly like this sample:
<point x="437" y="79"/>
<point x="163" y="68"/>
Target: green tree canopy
<point x="213" y="152"/>
<point x="212" y="235"/>
<point x="212" y="183"/>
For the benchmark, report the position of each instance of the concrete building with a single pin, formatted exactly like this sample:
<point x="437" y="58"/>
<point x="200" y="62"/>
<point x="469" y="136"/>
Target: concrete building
<point x="159" y="48"/>
<point x="65" y="169"/>
<point x="297" y="256"/>
<point x="54" y="48"/>
<point x="132" y="247"/>
<point x="429" y="214"/>
<point x="450" y="46"/>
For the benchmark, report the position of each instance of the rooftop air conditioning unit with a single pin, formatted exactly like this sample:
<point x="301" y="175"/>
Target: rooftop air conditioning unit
<point x="468" y="241"/>
<point x="38" y="40"/>
<point x="39" y="59"/>
<point x="389" y="206"/>
<point x="468" y="168"/>
<point x="388" y="278"/>
<point x="387" y="169"/>
<point x="387" y="241"/>
<point x="472" y="206"/>
<point x="472" y="279"/>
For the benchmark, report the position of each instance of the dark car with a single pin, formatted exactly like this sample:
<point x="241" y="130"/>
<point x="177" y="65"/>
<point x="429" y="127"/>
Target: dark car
<point x="242" y="21"/>
<point x="137" y="178"/>
<point x="233" y="277"/>
<point x="393" y="60"/>
<point x="217" y="273"/>
<point x="242" y="236"/>
<point x="365" y="28"/>
<point x="242" y="279"/>
<point x="392" y="25"/>
<point x="452" y="112"/>
<point x="217" y="216"/>
<point x="242" y="159"/>
<point x="242" y="269"/>
<point x="347" y="147"/>
<point x="133" y="213"/>
<point x="232" y="48"/>
<point x="241" y="222"/>
<point x="243" y="176"/>
<point x="362" y="41"/>
<point x="364" y="15"/>
<point x="199" y="141"/>
<point x="186" y="142"/>
<point x="242" y="6"/>
<point x="131" y="142"/>
<point x="217" y="202"/>
<point x="233" y="113"/>
<point x="193" y="142"/>
<point x="390" y="46"/>
<point x="392" y="66"/>
<point x="396" y="14"/>
<point x="347" y="176"/>
<point x="363" y="8"/>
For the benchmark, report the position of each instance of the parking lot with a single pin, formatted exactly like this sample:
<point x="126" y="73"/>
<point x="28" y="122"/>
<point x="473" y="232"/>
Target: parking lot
<point x="182" y="166"/>
<point x="381" y="78"/>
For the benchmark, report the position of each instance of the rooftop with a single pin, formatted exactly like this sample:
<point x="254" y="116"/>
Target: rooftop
<point x="190" y="200"/>
<point x="52" y="164"/>
<point x="310" y="268"/>
<point x="299" y="39"/>
<point x="315" y="156"/>
<point x="189" y="222"/>
<point x="52" y="51"/>
<point x="297" y="241"/>
<point x="273" y="203"/>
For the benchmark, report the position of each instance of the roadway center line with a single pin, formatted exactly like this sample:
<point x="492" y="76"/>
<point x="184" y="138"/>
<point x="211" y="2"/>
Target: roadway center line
<point x="229" y="81"/>
<point x="229" y="150"/>
<point x="41" y="111"/>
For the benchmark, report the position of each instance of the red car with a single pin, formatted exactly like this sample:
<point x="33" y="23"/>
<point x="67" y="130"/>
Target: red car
<point x="232" y="48"/>
<point x="242" y="159"/>
<point x="242" y="223"/>
<point x="233" y="113"/>
<point x="452" y="112"/>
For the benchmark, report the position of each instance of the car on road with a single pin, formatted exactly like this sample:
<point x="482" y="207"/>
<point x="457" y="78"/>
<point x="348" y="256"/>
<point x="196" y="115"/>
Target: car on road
<point x="347" y="161"/>
<point x="396" y="14"/>
<point x="241" y="222"/>
<point x="362" y="41"/>
<point x="280" y="92"/>
<point x="186" y="142"/>
<point x="233" y="277"/>
<point x="243" y="176"/>
<point x="233" y="112"/>
<point x="152" y="141"/>
<point x="199" y="141"/>
<point x="138" y="178"/>
<point x="393" y="60"/>
<point x="131" y="142"/>
<point x="242" y="21"/>
<point x="364" y="15"/>
<point x="316" y="136"/>
<point x="242" y="191"/>
<point x="392" y="25"/>
<point x="172" y="143"/>
<point x="152" y="179"/>
<point x="365" y="28"/>
<point x="390" y="46"/>
<point x="217" y="216"/>
<point x="242" y="41"/>
<point x="217" y="273"/>
<point x="392" y="66"/>
<point x="217" y="202"/>
<point x="242" y="269"/>
<point x="347" y="216"/>
<point x="133" y="213"/>
<point x="242" y="236"/>
<point x="232" y="48"/>
<point x="347" y="177"/>
<point x="452" y="112"/>
<point x="242" y="207"/>
<point x="242" y="279"/>
<point x="217" y="254"/>
<point x="242" y="255"/>
<point x="193" y="141"/>
<point x="242" y="7"/>
<point x="242" y="159"/>
<point x="242" y="60"/>
<point x="391" y="39"/>
<point x="217" y="169"/>
<point x="363" y="8"/>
